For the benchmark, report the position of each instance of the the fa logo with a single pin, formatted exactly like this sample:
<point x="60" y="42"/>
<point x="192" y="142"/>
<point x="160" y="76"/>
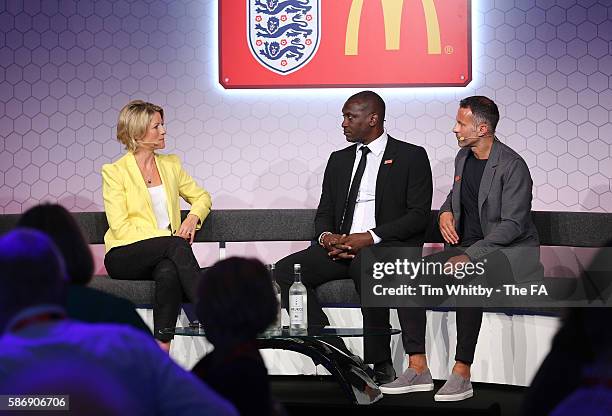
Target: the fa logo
<point x="283" y="35"/>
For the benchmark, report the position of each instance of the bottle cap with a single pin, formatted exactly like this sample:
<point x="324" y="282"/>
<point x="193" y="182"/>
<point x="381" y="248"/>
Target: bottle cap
<point x="297" y="268"/>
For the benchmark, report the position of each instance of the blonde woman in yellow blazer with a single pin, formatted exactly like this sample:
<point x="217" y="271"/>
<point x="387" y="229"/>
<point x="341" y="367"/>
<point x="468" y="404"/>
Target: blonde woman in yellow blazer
<point x="146" y="239"/>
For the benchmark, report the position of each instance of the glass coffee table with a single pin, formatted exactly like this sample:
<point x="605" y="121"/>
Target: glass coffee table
<point x="350" y="374"/>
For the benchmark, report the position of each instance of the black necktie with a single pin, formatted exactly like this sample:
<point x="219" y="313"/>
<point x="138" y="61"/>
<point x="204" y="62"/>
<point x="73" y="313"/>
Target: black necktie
<point x="351" y="200"/>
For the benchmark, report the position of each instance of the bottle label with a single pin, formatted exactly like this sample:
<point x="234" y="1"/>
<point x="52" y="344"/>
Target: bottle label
<point x="296" y="309"/>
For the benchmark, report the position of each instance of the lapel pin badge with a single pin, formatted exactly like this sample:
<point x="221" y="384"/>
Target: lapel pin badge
<point x="457" y="178"/>
<point x="388" y="161"/>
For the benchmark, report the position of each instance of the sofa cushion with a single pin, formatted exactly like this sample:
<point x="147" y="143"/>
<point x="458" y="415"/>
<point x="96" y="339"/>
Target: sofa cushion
<point x="140" y="292"/>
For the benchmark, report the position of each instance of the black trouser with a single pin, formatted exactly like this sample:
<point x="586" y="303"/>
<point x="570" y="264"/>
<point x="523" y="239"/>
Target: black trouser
<point x="170" y="262"/>
<point x="319" y="268"/>
<point x="413" y="320"/>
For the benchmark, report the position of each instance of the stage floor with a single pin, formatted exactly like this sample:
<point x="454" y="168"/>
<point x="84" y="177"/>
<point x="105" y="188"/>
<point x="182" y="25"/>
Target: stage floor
<point x="321" y="395"/>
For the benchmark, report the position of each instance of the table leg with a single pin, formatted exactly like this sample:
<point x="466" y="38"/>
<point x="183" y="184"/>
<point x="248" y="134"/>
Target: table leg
<point x="358" y="386"/>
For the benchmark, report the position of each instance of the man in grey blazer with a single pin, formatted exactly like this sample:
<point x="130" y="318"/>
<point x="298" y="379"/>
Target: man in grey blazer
<point x="485" y="218"/>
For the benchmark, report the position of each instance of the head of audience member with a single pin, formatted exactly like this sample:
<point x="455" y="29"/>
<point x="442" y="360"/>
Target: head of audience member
<point x="32" y="273"/>
<point x="55" y="221"/>
<point x="236" y="301"/>
<point x="141" y="126"/>
<point x="477" y="119"/>
<point x="363" y="117"/>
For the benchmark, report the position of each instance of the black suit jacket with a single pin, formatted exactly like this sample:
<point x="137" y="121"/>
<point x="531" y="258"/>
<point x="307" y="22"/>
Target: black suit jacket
<point x="403" y="193"/>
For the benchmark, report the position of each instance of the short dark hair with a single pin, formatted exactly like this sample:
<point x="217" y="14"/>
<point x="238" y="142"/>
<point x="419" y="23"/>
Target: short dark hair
<point x="31" y="272"/>
<point x="55" y="221"/>
<point x="374" y="100"/>
<point x="484" y="110"/>
<point x="236" y="300"/>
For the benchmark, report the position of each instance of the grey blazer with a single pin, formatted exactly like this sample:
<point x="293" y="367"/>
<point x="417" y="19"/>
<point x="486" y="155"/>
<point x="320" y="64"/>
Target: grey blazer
<point x="504" y="203"/>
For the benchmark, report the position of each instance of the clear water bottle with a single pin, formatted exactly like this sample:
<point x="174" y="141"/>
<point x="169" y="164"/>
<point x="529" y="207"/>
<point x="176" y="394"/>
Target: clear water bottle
<point x="298" y="303"/>
<point x="277" y="326"/>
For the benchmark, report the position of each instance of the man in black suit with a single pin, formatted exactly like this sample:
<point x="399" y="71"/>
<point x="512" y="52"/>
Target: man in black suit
<point x="375" y="192"/>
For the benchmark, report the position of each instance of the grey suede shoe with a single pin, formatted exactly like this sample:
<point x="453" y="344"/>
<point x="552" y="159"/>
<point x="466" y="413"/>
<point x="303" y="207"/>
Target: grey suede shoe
<point x="455" y="389"/>
<point x="409" y="382"/>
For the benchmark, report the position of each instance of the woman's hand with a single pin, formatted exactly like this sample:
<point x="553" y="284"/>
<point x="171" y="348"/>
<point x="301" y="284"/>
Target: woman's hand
<point x="188" y="228"/>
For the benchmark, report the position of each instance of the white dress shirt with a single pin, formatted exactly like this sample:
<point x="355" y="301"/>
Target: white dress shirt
<point x="364" y="217"/>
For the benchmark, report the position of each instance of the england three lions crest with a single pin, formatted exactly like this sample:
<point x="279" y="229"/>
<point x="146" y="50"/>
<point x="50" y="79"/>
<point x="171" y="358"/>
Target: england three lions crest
<point x="284" y="35"/>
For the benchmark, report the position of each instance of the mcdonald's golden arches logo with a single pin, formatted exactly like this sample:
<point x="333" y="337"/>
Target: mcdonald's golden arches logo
<point x="392" y="16"/>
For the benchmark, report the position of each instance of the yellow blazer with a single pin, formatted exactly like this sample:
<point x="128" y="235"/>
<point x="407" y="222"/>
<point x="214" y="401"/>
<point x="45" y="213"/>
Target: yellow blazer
<point x="128" y="205"/>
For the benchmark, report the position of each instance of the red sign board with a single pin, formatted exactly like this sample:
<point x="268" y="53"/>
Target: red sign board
<point x="344" y="43"/>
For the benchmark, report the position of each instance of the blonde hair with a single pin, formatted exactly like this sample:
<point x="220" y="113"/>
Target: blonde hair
<point x="134" y="120"/>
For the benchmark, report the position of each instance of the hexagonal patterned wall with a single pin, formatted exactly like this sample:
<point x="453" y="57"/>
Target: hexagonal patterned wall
<point x="67" y="67"/>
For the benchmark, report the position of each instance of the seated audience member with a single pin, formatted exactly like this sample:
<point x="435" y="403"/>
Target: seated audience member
<point x="560" y="372"/>
<point x="576" y="372"/>
<point x="236" y="303"/>
<point x="95" y="392"/>
<point x="83" y="303"/>
<point x="146" y="239"/>
<point x="36" y="332"/>
<point x="593" y="397"/>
